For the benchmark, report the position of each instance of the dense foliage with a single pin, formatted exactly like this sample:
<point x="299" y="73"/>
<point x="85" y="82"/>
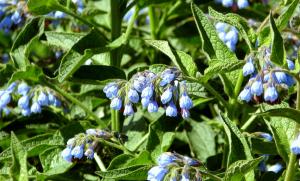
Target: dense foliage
<point x="149" y="90"/>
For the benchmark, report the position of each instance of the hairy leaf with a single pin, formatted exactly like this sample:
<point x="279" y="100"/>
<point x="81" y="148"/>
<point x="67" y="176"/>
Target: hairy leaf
<point x="277" y="52"/>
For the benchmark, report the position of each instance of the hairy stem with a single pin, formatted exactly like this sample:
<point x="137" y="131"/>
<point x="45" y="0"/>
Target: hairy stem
<point x="99" y="162"/>
<point x="115" y="22"/>
<point x="292" y="166"/>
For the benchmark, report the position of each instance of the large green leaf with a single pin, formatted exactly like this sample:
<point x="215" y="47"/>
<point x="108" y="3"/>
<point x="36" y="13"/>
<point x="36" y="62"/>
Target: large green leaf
<point x="137" y="172"/>
<point x="277" y="52"/>
<point x="239" y="169"/>
<point x="19" y="168"/>
<point x="182" y="60"/>
<point x="81" y="51"/>
<point x="201" y="139"/>
<point x="282" y="112"/>
<point x="19" y="51"/>
<point x="38" y="7"/>
<point x="31" y="73"/>
<point x="283" y="130"/>
<point x="63" y="40"/>
<point x="53" y="163"/>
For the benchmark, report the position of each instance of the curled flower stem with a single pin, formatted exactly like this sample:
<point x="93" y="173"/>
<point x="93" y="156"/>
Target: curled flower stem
<point x="292" y="166"/>
<point x="99" y="162"/>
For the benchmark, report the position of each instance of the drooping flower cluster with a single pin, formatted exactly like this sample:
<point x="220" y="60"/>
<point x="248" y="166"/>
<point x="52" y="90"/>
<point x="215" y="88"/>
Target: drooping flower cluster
<point x="166" y="89"/>
<point x="84" y="144"/>
<point x="241" y="4"/>
<point x="29" y="100"/>
<point x="266" y="82"/>
<point x="228" y="34"/>
<point x="173" y="166"/>
<point x="12" y="12"/>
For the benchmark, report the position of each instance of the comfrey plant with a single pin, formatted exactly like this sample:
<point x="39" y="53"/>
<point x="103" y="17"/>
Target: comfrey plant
<point x="241" y="4"/>
<point x="151" y="90"/>
<point x="175" y="167"/>
<point x="12" y="12"/>
<point x="266" y="80"/>
<point x="228" y="34"/>
<point x="86" y="144"/>
<point x="29" y="100"/>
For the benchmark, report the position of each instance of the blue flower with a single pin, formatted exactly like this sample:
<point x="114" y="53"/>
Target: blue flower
<point x="36" y="108"/>
<point x="257" y="87"/>
<point x="71" y="142"/>
<point x="66" y="154"/>
<point x="245" y="95"/>
<point x="166" y="158"/>
<point x="5" y="99"/>
<point x="290" y="64"/>
<point x="23" y="102"/>
<point x="91" y="132"/>
<point x="116" y="103"/>
<point x="59" y="14"/>
<point x="157" y="173"/>
<point x="171" y="110"/>
<point x="6" y="24"/>
<point x="230" y="45"/>
<point x="281" y="77"/>
<point x="185" y="113"/>
<point x="220" y="26"/>
<point x="16" y="17"/>
<point x="270" y="94"/>
<point x="11" y="87"/>
<point x="243" y="4"/>
<point x="5" y="58"/>
<point x="77" y="151"/>
<point x="232" y="36"/>
<point x="128" y="110"/>
<point x="167" y="77"/>
<point x="295" y="146"/>
<point x="145" y="102"/>
<point x="133" y="96"/>
<point x="275" y="168"/>
<point x="227" y="3"/>
<point x="152" y="106"/>
<point x="139" y="83"/>
<point x="6" y="110"/>
<point x="89" y="153"/>
<point x="148" y="92"/>
<point x="23" y="88"/>
<point x="43" y="99"/>
<point x="167" y="95"/>
<point x="248" y="68"/>
<point x="222" y="36"/>
<point x="289" y="80"/>
<point x="191" y="162"/>
<point x="266" y="136"/>
<point x="185" y="102"/>
<point x="111" y="90"/>
<point x="26" y="112"/>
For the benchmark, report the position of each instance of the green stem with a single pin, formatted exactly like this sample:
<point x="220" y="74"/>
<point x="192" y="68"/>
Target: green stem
<point x="131" y="22"/>
<point x="114" y="145"/>
<point x="290" y="172"/>
<point x="115" y="23"/>
<point x="249" y="121"/>
<point x="212" y="176"/>
<point x="238" y="85"/>
<point x="99" y="162"/>
<point x="153" y="22"/>
<point x="75" y="101"/>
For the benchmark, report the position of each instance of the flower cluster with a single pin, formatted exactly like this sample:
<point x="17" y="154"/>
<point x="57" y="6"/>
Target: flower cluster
<point x="12" y="12"/>
<point x="228" y="34"/>
<point x="241" y="4"/>
<point x="173" y="166"/>
<point x="151" y="90"/>
<point x="24" y="94"/>
<point x="267" y="82"/>
<point x="84" y="144"/>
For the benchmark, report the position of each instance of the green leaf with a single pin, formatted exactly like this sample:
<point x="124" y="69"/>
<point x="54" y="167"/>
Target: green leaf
<point x="138" y="172"/>
<point x="237" y="21"/>
<point x="196" y="89"/>
<point x="182" y="60"/>
<point x="81" y="51"/>
<point x="277" y="52"/>
<point x="220" y="67"/>
<point x="63" y="40"/>
<point x="119" y="161"/>
<point x="282" y="112"/>
<point x="151" y="2"/>
<point x="32" y="73"/>
<point x="19" y="168"/>
<point x="35" y="145"/>
<point x="19" y="51"/>
<point x="53" y="163"/>
<point x="237" y="170"/>
<point x="259" y="146"/>
<point x="201" y="139"/>
<point x="91" y="73"/>
<point x="167" y="141"/>
<point x="283" y="130"/>
<point x="237" y="143"/>
<point x="38" y="7"/>
<point x="284" y="18"/>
